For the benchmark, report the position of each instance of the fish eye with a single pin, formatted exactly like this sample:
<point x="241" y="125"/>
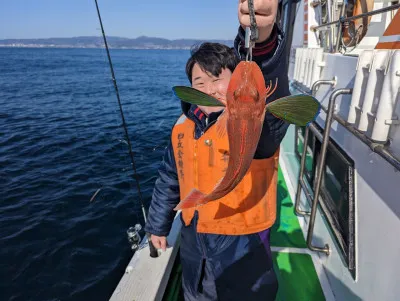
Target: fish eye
<point x="254" y="94"/>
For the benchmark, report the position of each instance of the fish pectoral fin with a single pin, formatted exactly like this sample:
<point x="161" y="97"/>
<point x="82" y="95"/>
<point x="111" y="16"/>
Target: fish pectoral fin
<point x="194" y="96"/>
<point x="295" y="109"/>
<point x="221" y="124"/>
<point x="194" y="198"/>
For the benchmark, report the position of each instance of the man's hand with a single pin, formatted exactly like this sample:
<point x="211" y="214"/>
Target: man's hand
<point x="265" y="13"/>
<point x="159" y="242"/>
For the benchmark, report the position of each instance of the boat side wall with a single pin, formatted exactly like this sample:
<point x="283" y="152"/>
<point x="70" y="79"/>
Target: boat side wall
<point x="377" y="195"/>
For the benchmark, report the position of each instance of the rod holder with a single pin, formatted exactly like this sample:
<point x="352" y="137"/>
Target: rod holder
<point x="153" y="250"/>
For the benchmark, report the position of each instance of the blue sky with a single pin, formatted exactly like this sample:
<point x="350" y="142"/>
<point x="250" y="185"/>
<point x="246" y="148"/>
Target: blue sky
<point x="171" y="19"/>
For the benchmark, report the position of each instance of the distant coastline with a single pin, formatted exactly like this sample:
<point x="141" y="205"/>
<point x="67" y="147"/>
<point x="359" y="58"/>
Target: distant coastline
<point x="142" y="42"/>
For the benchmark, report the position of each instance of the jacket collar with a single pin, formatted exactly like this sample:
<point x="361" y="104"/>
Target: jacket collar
<point x="201" y="120"/>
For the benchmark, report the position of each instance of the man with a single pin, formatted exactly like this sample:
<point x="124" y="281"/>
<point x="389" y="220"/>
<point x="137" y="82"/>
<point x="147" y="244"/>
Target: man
<point x="224" y="256"/>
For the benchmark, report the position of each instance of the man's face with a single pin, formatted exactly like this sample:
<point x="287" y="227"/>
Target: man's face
<point x="211" y="85"/>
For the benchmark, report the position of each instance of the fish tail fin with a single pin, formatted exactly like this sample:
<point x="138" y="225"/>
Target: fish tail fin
<point x="192" y="200"/>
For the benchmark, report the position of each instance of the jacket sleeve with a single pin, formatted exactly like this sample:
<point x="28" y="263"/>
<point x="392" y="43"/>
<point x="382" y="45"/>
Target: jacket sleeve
<point x="273" y="66"/>
<point x="165" y="197"/>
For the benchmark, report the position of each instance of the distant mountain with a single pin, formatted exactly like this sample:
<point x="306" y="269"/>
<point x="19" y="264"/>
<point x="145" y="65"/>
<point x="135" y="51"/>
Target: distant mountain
<point x="142" y="42"/>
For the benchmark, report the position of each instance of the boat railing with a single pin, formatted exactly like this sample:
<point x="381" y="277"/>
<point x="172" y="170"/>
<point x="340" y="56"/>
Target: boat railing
<point x="320" y="166"/>
<point x="301" y="184"/>
<point x="378" y="148"/>
<point x="342" y="21"/>
<point x="314" y="195"/>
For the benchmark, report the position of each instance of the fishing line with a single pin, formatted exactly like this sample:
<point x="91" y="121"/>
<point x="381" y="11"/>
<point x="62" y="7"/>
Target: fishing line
<point x="153" y="251"/>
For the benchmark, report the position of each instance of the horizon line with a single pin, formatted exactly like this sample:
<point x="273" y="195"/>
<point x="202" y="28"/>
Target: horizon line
<point x="120" y="37"/>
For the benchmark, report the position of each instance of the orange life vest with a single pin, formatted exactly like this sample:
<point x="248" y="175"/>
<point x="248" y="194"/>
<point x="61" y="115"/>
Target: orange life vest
<point x="201" y="163"/>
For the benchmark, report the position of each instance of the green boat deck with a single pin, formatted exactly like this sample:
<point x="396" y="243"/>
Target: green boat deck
<point x="298" y="279"/>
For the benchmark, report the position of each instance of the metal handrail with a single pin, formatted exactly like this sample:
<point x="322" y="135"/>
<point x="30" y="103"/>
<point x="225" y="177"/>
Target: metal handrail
<point x="320" y="82"/>
<point x="320" y="169"/>
<point x="300" y="183"/>
<point x="371" y="13"/>
<point x="378" y="148"/>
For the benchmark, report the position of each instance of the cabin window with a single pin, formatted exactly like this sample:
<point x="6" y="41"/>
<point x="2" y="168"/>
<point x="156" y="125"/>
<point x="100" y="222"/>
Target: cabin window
<point x="337" y="191"/>
<point x="308" y="172"/>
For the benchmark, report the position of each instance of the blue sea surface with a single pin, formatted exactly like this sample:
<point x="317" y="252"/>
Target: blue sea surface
<point x="61" y="140"/>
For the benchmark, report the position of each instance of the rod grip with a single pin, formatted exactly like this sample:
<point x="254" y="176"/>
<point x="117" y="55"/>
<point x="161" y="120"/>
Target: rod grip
<point x="153" y="250"/>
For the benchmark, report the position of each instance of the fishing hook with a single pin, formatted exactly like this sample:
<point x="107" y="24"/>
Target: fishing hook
<point x="251" y="32"/>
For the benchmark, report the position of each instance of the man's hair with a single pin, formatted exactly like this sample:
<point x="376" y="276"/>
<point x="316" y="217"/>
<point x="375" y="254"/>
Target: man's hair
<point x="212" y="58"/>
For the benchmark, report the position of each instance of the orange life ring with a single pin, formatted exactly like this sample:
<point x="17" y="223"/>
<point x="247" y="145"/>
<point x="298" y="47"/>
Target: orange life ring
<point x="356" y="29"/>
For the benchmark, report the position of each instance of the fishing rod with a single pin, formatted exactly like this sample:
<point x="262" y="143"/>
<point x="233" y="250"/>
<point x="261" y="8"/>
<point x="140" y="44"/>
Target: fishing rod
<point x="153" y="250"/>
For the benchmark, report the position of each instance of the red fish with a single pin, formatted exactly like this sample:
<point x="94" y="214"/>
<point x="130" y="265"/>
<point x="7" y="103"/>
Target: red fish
<point x="243" y="121"/>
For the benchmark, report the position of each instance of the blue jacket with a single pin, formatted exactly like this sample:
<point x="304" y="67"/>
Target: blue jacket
<point x="166" y="191"/>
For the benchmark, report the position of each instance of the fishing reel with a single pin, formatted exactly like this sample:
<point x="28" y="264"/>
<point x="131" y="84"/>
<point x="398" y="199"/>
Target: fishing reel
<point x="134" y="236"/>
